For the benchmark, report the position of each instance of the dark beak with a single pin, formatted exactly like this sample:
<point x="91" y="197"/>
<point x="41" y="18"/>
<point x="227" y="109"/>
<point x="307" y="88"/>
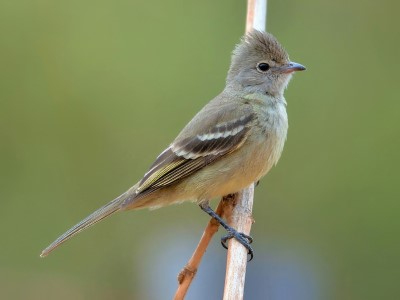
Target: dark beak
<point x="291" y="67"/>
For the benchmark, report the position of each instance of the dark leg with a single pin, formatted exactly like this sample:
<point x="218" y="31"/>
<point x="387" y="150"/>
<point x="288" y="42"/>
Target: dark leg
<point x="242" y="238"/>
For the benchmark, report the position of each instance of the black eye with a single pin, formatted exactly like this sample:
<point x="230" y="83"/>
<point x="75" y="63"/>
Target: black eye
<point x="263" y="67"/>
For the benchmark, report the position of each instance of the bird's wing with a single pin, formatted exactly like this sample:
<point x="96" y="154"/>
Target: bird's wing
<point x="200" y="143"/>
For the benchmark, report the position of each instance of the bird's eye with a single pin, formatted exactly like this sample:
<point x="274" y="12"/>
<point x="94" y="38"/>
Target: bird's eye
<point x="263" y="67"/>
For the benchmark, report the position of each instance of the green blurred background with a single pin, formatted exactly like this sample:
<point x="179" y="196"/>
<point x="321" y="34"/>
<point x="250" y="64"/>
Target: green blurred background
<point x="92" y="91"/>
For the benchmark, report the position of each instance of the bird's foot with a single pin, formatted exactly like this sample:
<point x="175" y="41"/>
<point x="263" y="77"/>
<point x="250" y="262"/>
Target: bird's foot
<point x="242" y="238"/>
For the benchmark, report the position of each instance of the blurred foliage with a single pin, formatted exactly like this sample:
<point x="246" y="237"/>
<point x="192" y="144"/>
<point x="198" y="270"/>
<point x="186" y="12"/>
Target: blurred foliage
<point x="92" y="91"/>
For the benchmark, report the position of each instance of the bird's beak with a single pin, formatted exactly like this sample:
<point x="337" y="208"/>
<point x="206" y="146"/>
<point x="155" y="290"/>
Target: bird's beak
<point x="291" y="67"/>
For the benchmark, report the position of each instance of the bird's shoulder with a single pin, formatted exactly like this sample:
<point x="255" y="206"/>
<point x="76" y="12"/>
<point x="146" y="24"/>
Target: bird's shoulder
<point x="223" y="110"/>
<point x="219" y="128"/>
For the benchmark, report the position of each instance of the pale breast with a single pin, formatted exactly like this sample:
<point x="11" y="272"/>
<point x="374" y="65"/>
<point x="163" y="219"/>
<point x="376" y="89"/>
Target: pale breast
<point x="276" y="129"/>
<point x="273" y="124"/>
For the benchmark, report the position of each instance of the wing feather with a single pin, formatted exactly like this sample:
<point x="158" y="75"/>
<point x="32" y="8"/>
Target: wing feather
<point x="190" y="154"/>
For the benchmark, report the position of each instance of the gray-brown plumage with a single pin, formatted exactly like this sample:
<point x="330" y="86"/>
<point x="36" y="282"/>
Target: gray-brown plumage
<point x="232" y="142"/>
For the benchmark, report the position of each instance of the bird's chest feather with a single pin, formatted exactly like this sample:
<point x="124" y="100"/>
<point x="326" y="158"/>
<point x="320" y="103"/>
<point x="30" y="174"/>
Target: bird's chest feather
<point x="273" y="123"/>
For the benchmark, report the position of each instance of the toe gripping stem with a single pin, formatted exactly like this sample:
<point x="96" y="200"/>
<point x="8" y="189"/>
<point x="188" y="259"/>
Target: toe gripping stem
<point x="242" y="238"/>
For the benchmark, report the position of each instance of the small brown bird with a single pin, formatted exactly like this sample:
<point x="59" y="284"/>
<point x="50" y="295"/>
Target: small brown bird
<point x="231" y="143"/>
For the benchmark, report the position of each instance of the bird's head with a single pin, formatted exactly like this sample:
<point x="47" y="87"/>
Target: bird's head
<point x="261" y="65"/>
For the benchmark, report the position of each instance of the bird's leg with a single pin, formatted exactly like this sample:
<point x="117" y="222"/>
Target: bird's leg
<point x="242" y="238"/>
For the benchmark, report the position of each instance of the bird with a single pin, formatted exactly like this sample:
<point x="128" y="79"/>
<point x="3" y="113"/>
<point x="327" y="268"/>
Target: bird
<point x="231" y="143"/>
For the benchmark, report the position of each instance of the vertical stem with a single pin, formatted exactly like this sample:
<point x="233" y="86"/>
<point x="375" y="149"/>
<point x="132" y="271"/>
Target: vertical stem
<point x="240" y="217"/>
<point x="256" y="15"/>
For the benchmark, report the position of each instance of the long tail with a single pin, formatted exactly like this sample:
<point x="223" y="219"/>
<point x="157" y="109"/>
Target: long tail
<point x="92" y="219"/>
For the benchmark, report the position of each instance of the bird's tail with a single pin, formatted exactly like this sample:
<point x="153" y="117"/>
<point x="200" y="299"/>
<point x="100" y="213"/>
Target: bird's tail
<point x="92" y="219"/>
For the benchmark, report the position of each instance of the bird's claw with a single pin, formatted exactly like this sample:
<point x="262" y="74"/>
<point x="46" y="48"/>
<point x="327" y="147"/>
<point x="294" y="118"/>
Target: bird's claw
<point x="242" y="238"/>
